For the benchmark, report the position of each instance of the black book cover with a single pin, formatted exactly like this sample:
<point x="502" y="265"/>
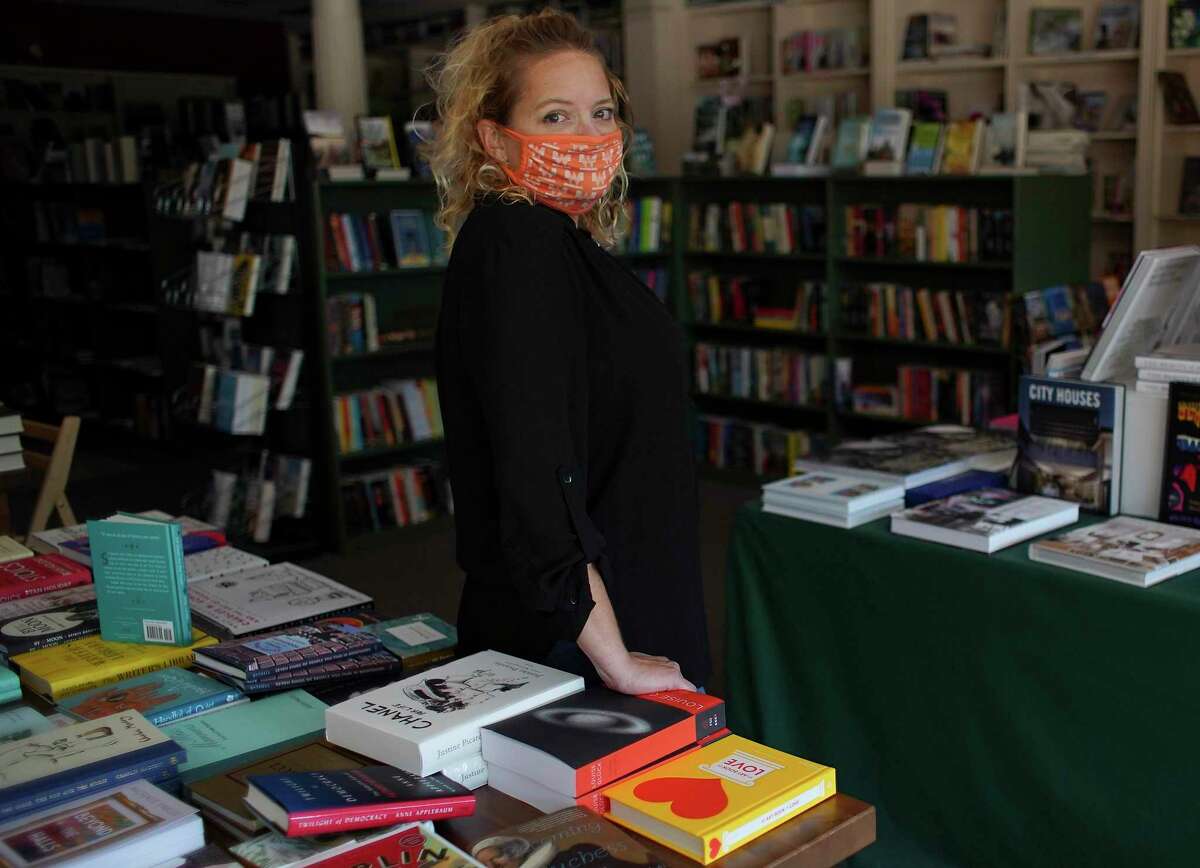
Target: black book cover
<point x="53" y="627"/>
<point x="1179" y="502"/>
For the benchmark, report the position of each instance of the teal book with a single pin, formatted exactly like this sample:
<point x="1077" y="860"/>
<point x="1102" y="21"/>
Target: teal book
<point x="162" y="697"/>
<point x="241" y="734"/>
<point x="417" y="639"/>
<point x="140" y="579"/>
<point x="19" y="722"/>
<point x="850" y="147"/>
<point x="10" y="685"/>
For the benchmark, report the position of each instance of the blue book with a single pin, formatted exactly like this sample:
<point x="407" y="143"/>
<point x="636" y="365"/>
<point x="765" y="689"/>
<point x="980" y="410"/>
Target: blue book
<point x="162" y="697"/>
<point x="971" y="480"/>
<point x="1060" y="311"/>
<point x="59" y="764"/>
<point x="140" y="579"/>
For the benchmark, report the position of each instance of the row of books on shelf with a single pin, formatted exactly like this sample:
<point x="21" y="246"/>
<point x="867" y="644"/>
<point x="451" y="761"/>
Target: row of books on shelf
<point x="68" y="223"/>
<point x="399" y="496"/>
<point x="758" y="302"/>
<point x="657" y="279"/>
<point x="228" y="282"/>
<point x="756" y="227"/>
<point x="889" y="310"/>
<point x="925" y="393"/>
<point x="829" y="48"/>
<point x="246" y="504"/>
<point x="394" y="413"/>
<point x="727" y="443"/>
<point x="650" y="220"/>
<point x="236" y="400"/>
<point x="232" y="176"/>
<point x="761" y="374"/>
<point x="929" y="232"/>
<point x="1068" y="309"/>
<point x="352" y="325"/>
<point x="99" y="161"/>
<point x="404" y="238"/>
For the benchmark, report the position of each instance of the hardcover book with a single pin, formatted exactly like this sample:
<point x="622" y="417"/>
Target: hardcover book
<point x="417" y="639"/>
<point x="588" y="740"/>
<point x="960" y="483"/>
<point x="925" y="148"/>
<point x="220" y="561"/>
<point x="269" y="655"/>
<point x="429" y="721"/>
<point x="162" y="697"/>
<point x="832" y="490"/>
<point x="46" y="768"/>
<point x="925" y="455"/>
<point x="887" y="140"/>
<point x="1069" y="441"/>
<point x="850" y="147"/>
<point x="64" y="670"/>
<point x="300" y="804"/>
<point x="40" y="574"/>
<point x="1126" y="549"/>
<point x="73" y="617"/>
<point x="708" y="802"/>
<point x="1117" y="26"/>
<point x="241" y="734"/>
<point x="130" y="825"/>
<point x="1180" y="498"/>
<point x="72" y="542"/>
<point x="573" y="836"/>
<point x="281" y="595"/>
<point x="141" y="587"/>
<point x="986" y="520"/>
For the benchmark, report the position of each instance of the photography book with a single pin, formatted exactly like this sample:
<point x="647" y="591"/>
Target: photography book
<point x="272" y="654"/>
<point x="1125" y="549"/>
<point x="281" y="595"/>
<point x="417" y="640"/>
<point x="428" y="721"/>
<point x="52" y="766"/>
<point x="141" y="586"/>
<point x="986" y="520"/>
<point x="925" y="455"/>
<point x="300" y="804"/>
<point x="1069" y="441"/>
<point x="162" y="697"/>
<point x="588" y="740"/>
<point x="40" y="574"/>
<point x="1180" y="498"/>
<point x="832" y="490"/>
<point x="708" y="802"/>
<point x="133" y="824"/>
<point x="572" y="836"/>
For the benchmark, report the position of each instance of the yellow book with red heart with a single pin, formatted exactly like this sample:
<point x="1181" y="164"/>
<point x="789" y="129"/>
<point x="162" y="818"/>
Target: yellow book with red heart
<point x="708" y="802"/>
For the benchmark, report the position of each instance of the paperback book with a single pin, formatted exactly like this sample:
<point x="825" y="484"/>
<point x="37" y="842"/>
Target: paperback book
<point x="270" y="655"/>
<point x="708" y="802"/>
<point x="986" y="520"/>
<point x="1069" y="441"/>
<point x="429" y="721"/>
<point x="832" y="490"/>
<point x="572" y="836"/>
<point x="72" y="617"/>
<point x="377" y="664"/>
<point x="1125" y="549"/>
<point x="40" y="574"/>
<point x="162" y="697"/>
<point x="220" y="561"/>
<point x="417" y="640"/>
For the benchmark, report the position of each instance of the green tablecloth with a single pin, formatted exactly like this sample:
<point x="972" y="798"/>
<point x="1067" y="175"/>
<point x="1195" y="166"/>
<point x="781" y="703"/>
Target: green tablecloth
<point x="996" y="712"/>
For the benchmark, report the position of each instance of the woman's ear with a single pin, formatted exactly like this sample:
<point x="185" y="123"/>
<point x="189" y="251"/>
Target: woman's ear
<point x="492" y="140"/>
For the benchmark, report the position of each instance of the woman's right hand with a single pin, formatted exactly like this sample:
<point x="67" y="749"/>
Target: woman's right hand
<point x="637" y="673"/>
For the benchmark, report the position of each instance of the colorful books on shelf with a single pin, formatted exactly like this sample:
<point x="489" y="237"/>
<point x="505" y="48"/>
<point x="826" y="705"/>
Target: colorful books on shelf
<point x="1069" y="441"/>
<point x="1055" y="30"/>
<point x="761" y="374"/>
<point x="850" y="145"/>
<point x="133" y="824"/>
<point x="82" y="664"/>
<point x="31" y="575"/>
<point x="242" y="734"/>
<point x="754" y="301"/>
<point x="395" y="413"/>
<point x="1004" y="142"/>
<point x="925" y="148"/>
<point x="985" y="520"/>
<point x="51" y="767"/>
<point x="887" y="141"/>
<point x="226" y="283"/>
<point x="566" y="751"/>
<point x="658" y="280"/>
<point x="926" y="455"/>
<point x="274" y="597"/>
<point x="1067" y="309"/>
<point x="709" y="802"/>
<point x="765" y="450"/>
<point x="1125" y="549"/>
<point x="807" y="141"/>
<point x="302" y="804"/>
<point x="279" y="263"/>
<point x="374" y="242"/>
<point x="756" y="227"/>
<point x="831" y="48"/>
<point x="398" y="496"/>
<point x="417" y="640"/>
<point x="162" y="697"/>
<point x="889" y="310"/>
<point x="451" y="703"/>
<point x="141" y="586"/>
<point x="928" y="233"/>
<point x="649" y="225"/>
<point x="830" y="495"/>
<point x="962" y="147"/>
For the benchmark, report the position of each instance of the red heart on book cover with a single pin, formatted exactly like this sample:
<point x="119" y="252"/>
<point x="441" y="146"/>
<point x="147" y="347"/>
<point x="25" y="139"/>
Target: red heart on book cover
<point x="714" y="847"/>
<point x="690" y="798"/>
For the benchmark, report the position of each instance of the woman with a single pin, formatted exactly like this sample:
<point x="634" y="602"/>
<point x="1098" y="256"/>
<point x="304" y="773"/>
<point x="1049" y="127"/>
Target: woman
<point x="562" y="378"/>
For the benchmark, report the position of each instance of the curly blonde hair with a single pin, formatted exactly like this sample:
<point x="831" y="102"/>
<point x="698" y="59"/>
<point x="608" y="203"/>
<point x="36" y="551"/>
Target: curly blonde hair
<point x="478" y="78"/>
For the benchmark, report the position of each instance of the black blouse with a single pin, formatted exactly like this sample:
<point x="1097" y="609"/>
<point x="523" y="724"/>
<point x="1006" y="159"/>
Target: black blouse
<point x="563" y="386"/>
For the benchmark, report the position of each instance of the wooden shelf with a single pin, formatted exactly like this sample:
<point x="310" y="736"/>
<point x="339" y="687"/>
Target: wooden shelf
<point x="366" y="184"/>
<point x="1179" y="218"/>
<point x="401" y="449"/>
<point x="1124" y="55"/>
<point x="1180" y="129"/>
<point x="1114" y="136"/>
<point x="825" y="74"/>
<point x="876" y="261"/>
<point x="1182" y="53"/>
<point x="977" y="349"/>
<point x="733" y="80"/>
<point x="949" y="64"/>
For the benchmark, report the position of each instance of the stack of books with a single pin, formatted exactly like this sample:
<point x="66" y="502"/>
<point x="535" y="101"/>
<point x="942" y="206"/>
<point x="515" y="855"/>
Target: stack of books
<point x="11" y="457"/>
<point x="985" y="520"/>
<point x="1157" y="370"/>
<point x="833" y="496"/>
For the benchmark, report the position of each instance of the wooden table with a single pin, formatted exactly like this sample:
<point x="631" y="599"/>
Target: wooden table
<point x="821" y="837"/>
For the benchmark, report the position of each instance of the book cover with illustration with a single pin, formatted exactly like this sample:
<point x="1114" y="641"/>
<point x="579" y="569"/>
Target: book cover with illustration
<point x="220" y="561"/>
<point x="1180" y="500"/>
<point x="40" y="574"/>
<point x="428" y="721"/>
<point x="45" y="602"/>
<point x="1069" y="441"/>
<point x="985" y="520"/>
<point x="588" y="740"/>
<point x="831" y="489"/>
<point x="45" y="768"/>
<point x="46" y="628"/>
<point x="1124" y="548"/>
<point x="272" y="654"/>
<point x="376" y="664"/>
<point x="417" y="639"/>
<point x="253" y="601"/>
<point x="712" y="800"/>
<point x="320" y="802"/>
<point x="927" y="454"/>
<point x="162" y="697"/>
<point x="572" y="836"/>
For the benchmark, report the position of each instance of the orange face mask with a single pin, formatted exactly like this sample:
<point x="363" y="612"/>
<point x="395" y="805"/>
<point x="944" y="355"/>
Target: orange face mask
<point x="566" y="172"/>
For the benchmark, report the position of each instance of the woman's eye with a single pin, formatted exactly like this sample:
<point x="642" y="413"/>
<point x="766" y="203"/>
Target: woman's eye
<point x="554" y="117"/>
<point x="604" y="114"/>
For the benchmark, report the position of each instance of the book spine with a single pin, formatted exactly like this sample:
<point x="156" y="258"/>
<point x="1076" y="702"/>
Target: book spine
<point x="798" y="800"/>
<point x="100" y="678"/>
<point x="191" y="709"/>
<point x="299" y="679"/>
<point x="317" y="822"/>
<point x="43" y="586"/>
<point x="256" y="671"/>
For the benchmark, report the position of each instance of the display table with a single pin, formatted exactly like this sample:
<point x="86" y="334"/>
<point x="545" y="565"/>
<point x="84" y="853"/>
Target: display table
<point x="819" y="838"/>
<point x="998" y="712"/>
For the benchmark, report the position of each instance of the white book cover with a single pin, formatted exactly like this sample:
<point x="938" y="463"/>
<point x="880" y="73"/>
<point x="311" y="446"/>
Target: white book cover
<point x="1155" y="375"/>
<point x="853" y="520"/>
<point x="1183" y="357"/>
<point x="259" y="599"/>
<point x="986" y="520"/>
<point x="219" y="562"/>
<point x="1126" y="549"/>
<point x="831" y="489"/>
<point x="429" y="721"/>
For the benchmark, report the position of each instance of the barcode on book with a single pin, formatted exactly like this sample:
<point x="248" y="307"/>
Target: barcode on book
<point x="158" y="631"/>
